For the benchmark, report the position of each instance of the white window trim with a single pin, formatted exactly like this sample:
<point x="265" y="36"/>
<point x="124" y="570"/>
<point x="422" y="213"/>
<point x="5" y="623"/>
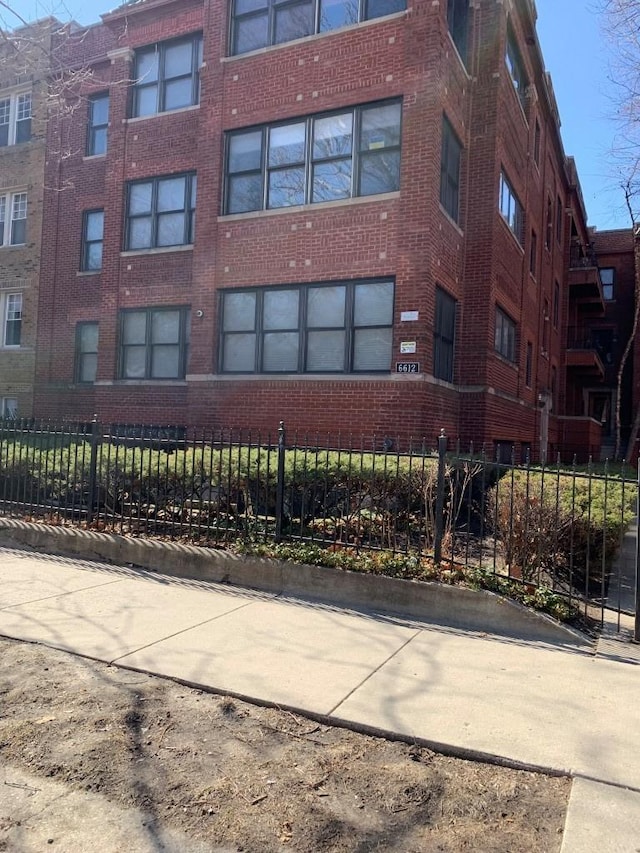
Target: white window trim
<point x="6" y="228"/>
<point x="4" y="310"/>
<point x="13" y="98"/>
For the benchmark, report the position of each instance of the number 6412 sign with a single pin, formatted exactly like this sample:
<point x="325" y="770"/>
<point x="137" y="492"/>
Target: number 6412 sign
<point x="407" y="367"/>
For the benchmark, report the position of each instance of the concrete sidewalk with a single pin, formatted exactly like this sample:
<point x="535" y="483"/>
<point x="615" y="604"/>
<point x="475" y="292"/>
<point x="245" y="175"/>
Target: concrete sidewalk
<point x="554" y="707"/>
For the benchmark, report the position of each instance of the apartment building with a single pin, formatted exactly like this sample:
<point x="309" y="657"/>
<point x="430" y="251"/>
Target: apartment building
<point x="24" y="66"/>
<point x="354" y="217"/>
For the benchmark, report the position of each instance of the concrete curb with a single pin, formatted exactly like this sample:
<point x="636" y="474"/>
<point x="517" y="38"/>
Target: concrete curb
<point x="455" y="607"/>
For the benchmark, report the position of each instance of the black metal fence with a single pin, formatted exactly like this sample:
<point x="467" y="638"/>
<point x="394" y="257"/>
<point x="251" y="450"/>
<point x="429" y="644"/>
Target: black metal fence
<point x="555" y="527"/>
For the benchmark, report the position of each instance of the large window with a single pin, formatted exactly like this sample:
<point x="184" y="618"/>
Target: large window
<point x="450" y="171"/>
<point x="608" y="277"/>
<point x="13" y="219"/>
<point x="444" y="336"/>
<point x="86" y="352"/>
<point x="98" y="124"/>
<point x="154" y="343"/>
<point x="15" y="119"/>
<point x="167" y="76"/>
<point x="458" y="22"/>
<point x="11" y="315"/>
<point x="8" y="408"/>
<point x="322" y="158"/>
<point x="325" y="328"/>
<point x="161" y="212"/>
<point x="92" y="237"/>
<point x="505" y="336"/>
<point x="516" y="70"/>
<point x="510" y="207"/>
<point x="259" y="23"/>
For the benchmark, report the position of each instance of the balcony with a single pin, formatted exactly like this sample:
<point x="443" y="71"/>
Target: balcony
<point x="583" y="355"/>
<point x="585" y="286"/>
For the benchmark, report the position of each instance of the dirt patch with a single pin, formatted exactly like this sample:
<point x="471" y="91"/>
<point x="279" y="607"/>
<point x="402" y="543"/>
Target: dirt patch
<point x="258" y="780"/>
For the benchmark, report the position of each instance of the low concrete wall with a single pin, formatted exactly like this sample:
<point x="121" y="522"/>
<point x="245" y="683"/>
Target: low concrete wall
<point x="432" y="602"/>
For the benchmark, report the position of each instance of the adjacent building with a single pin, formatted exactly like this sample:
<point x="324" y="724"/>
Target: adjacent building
<point x="354" y="217"/>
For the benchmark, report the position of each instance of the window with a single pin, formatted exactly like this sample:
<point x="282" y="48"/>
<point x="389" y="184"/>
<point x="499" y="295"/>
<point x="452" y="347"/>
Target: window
<point x="161" y="212"/>
<point x="607" y="277"/>
<point x="458" y="22"/>
<point x="559" y="219"/>
<point x="556" y="305"/>
<point x="533" y="254"/>
<point x="259" y="23"/>
<point x="528" y="367"/>
<point x="8" y="408"/>
<point x="444" y="336"/>
<point x="11" y="313"/>
<point x="516" y="69"/>
<point x="325" y="328"/>
<point x="549" y="224"/>
<point x="98" y="124"/>
<point x="321" y="158"/>
<point x="154" y="343"/>
<point x="450" y="171"/>
<point x="510" y="207"/>
<point x="15" y="119"/>
<point x="505" y="337"/>
<point x="536" y="143"/>
<point x="92" y="236"/>
<point x="86" y="352"/>
<point x="167" y="76"/>
<point x="13" y="219"/>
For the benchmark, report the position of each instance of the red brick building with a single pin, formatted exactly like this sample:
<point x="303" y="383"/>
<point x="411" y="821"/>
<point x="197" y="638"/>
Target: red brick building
<point x="356" y="220"/>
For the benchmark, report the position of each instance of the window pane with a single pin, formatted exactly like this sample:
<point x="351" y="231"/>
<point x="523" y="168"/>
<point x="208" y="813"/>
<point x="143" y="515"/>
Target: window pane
<point x="171" y="229"/>
<point x="4" y="135"/>
<point x="372" y="349"/>
<point x="280" y="352"/>
<point x="286" y="187"/>
<point x="239" y="312"/>
<point x="326" y="306"/>
<point x="140" y="233"/>
<point x="178" y="59"/>
<point x="244" y="6"/>
<point x="251" y="33"/>
<point x="88" y="368"/>
<point x="294" y="22"/>
<point x="286" y="144"/>
<point x="178" y="94"/>
<point x="140" y="198"/>
<point x="245" y="193"/>
<point x="147" y="66"/>
<point x="374" y="304"/>
<point x="23" y="130"/>
<point x="325" y="351"/>
<point x="332" y="136"/>
<point x="100" y="110"/>
<point x="239" y="353"/>
<point x="379" y="172"/>
<point x="134" y="363"/>
<point x="337" y="13"/>
<point x="380" y="127"/>
<point x="280" y="310"/>
<point x="98" y="141"/>
<point x="89" y="337"/>
<point x="146" y="101"/>
<point x="5" y="111"/>
<point x="18" y="232"/>
<point x="165" y="327"/>
<point x="245" y="151"/>
<point x="95" y="223"/>
<point x="134" y="329"/>
<point x="94" y="256"/>
<point x="377" y="8"/>
<point x="331" y="180"/>
<point x="171" y="194"/>
<point x="165" y="362"/>
<point x="9" y="408"/>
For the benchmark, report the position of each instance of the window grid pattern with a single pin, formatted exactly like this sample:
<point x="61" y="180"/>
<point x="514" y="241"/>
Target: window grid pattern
<point x="510" y="207"/>
<point x="98" y="125"/>
<point x="12" y="320"/>
<point x="13" y="219"/>
<point x="161" y="212"/>
<point x="343" y="327"/>
<point x="607" y="277"/>
<point x="167" y="76"/>
<point x="86" y="365"/>
<point x="450" y="171"/>
<point x="15" y="119"/>
<point x="505" y="336"/>
<point x="444" y="336"/>
<point x="321" y="158"/>
<point x="92" y="240"/>
<point x="154" y="343"/>
<point x="261" y="23"/>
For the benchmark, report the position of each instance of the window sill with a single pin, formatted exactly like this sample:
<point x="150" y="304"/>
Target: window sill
<point x="308" y="208"/>
<point x="511" y="233"/>
<point x="506" y="361"/>
<point x="308" y="39"/>
<point x="137" y="119"/>
<point x="451" y="221"/>
<point x="88" y="273"/>
<point x="162" y="250"/>
<point x="298" y="377"/>
<point x="91" y="158"/>
<point x="12" y="245"/>
<point x="152" y="383"/>
<point x="457" y="53"/>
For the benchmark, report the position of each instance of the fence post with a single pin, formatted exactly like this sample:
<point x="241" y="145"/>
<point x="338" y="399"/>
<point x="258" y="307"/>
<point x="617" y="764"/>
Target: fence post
<point x="96" y="437"/>
<point x="636" y="631"/>
<point x="439" y="533"/>
<point x="280" y="481"/>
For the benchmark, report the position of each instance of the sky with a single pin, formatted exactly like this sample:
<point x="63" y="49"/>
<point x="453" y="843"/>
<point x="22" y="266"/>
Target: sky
<point x="575" y="53"/>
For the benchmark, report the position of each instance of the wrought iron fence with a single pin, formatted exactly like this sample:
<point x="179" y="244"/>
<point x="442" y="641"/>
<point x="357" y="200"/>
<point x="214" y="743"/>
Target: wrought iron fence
<point x="557" y="526"/>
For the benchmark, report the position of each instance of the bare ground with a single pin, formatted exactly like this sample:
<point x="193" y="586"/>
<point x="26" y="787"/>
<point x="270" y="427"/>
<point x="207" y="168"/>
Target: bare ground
<point x="253" y="779"/>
